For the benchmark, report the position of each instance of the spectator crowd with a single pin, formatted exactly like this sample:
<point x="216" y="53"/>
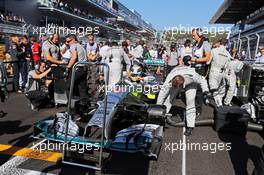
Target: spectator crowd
<point x="60" y="4"/>
<point x="10" y="17"/>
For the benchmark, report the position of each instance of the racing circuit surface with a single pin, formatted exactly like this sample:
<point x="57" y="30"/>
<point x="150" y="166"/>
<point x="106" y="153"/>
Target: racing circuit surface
<point x="17" y="127"/>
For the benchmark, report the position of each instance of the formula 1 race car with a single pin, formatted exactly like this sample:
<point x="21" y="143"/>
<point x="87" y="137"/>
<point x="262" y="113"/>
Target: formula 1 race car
<point x="251" y="89"/>
<point x="157" y="62"/>
<point x="120" y="122"/>
<point x="126" y="114"/>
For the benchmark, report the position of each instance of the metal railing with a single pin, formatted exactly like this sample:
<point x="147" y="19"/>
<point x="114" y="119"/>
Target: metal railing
<point x="102" y="139"/>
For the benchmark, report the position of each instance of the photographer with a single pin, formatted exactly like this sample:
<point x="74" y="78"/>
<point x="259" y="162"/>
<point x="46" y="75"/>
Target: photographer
<point x="39" y="90"/>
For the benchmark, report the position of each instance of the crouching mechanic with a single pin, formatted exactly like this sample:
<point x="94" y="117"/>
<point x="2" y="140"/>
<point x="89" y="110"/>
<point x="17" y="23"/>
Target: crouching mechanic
<point x="186" y="78"/>
<point x="38" y="85"/>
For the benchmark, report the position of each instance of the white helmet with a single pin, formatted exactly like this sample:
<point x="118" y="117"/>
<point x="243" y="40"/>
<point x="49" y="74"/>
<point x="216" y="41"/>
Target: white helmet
<point x="136" y="70"/>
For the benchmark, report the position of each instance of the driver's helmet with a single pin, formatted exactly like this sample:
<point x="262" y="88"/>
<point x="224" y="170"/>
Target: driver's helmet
<point x="136" y="70"/>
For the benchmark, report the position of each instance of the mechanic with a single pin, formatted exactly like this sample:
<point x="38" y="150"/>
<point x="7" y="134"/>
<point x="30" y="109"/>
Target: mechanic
<point x="185" y="51"/>
<point x="171" y="58"/>
<point x="219" y="60"/>
<point x="137" y="53"/>
<point x="92" y="51"/>
<point x="183" y="77"/>
<point x="104" y="49"/>
<point x="233" y="67"/>
<point x="78" y="54"/>
<point x="114" y="57"/>
<point x="129" y="46"/>
<point x="51" y="50"/>
<point x="201" y="56"/>
<point x="201" y="52"/>
<point x="36" y="86"/>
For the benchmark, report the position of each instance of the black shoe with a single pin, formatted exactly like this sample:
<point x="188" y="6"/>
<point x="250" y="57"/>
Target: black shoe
<point x="2" y="114"/>
<point x="34" y="108"/>
<point x="21" y="90"/>
<point x="188" y="132"/>
<point x="50" y="105"/>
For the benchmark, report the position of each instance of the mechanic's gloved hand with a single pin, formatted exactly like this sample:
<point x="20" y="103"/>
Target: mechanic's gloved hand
<point x="208" y="98"/>
<point x="186" y="60"/>
<point x="66" y="73"/>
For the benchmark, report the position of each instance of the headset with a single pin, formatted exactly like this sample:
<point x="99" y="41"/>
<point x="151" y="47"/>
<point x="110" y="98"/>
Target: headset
<point x="37" y="66"/>
<point x="199" y="32"/>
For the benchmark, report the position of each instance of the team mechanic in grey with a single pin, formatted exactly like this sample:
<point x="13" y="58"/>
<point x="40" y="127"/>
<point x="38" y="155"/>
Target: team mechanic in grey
<point x="219" y="61"/>
<point x="187" y="78"/>
<point x="201" y="56"/>
<point x="114" y="57"/>
<point x="51" y="50"/>
<point x="137" y="53"/>
<point x="78" y="54"/>
<point x="233" y="67"/>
